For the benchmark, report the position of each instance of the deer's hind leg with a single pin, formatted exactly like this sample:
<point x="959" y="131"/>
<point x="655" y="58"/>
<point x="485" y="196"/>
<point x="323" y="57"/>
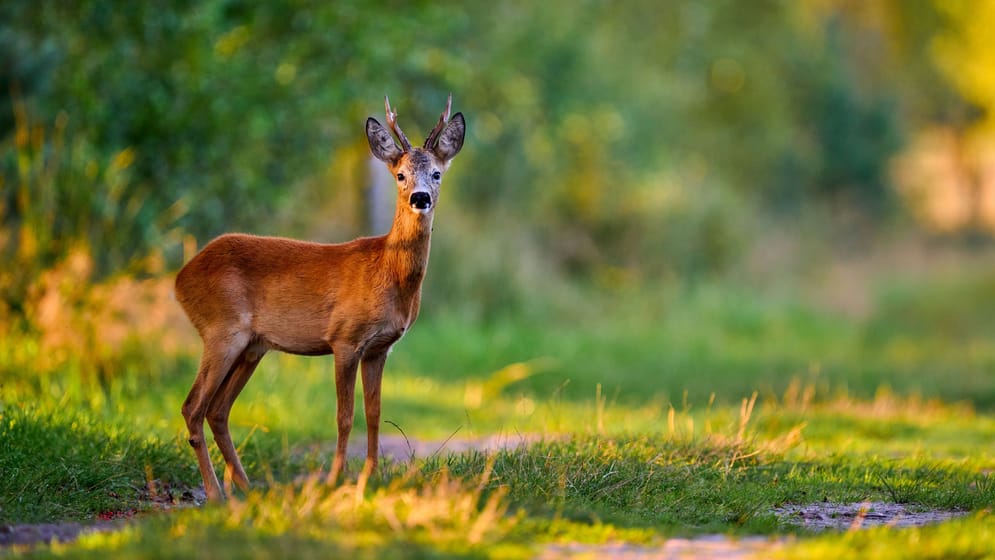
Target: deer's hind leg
<point x="220" y="354"/>
<point x="219" y="409"/>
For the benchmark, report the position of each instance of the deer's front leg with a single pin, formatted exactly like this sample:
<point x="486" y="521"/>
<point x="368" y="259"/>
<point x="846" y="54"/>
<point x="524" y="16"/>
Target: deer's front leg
<point x="372" y="376"/>
<point x="345" y="390"/>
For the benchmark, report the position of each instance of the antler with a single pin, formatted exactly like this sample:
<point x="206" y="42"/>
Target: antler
<point x="433" y="136"/>
<point x="392" y="122"/>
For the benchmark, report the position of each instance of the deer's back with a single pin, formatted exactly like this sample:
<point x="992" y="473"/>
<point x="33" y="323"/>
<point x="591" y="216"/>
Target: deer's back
<point x="283" y="290"/>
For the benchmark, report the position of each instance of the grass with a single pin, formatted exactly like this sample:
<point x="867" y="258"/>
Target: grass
<point x="64" y="464"/>
<point x="679" y="413"/>
<point x="440" y="519"/>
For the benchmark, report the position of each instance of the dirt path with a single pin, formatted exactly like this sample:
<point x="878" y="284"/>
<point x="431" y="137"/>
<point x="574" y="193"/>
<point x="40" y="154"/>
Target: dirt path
<point x="819" y="517"/>
<point x="36" y="533"/>
<point x="828" y="516"/>
<point x="711" y="547"/>
<point x="399" y="448"/>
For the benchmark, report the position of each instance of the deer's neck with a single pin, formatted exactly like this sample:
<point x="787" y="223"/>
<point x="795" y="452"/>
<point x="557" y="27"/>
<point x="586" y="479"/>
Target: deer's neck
<point x="407" y="246"/>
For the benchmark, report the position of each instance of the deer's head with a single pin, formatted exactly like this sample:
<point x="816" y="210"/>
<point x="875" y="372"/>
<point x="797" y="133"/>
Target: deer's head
<point x="418" y="171"/>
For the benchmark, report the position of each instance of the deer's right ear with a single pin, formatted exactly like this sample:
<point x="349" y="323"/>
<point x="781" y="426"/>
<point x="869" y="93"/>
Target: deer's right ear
<point x="381" y="144"/>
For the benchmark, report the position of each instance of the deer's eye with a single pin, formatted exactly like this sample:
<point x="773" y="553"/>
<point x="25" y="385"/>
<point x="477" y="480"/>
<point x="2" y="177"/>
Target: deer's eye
<point x="400" y="176"/>
<point x="436" y="175"/>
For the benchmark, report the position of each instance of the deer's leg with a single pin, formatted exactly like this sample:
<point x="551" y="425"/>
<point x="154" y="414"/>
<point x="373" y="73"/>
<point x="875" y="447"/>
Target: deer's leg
<point x="219" y="410"/>
<point x="214" y="367"/>
<point x="372" y="376"/>
<point x="346" y="365"/>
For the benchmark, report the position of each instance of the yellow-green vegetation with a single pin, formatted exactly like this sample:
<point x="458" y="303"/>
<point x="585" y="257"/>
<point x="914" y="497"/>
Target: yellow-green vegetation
<point x="622" y="453"/>
<point x="438" y="518"/>
<point x="704" y="260"/>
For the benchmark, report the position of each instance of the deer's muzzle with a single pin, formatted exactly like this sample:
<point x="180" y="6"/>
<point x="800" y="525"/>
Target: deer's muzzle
<point x="421" y="200"/>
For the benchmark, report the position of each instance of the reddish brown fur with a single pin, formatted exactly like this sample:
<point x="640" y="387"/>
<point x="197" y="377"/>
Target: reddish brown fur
<point x="296" y="296"/>
<point x="247" y="295"/>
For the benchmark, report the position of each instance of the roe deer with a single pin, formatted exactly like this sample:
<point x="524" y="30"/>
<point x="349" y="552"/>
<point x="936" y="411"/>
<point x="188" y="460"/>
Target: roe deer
<point x="247" y="295"/>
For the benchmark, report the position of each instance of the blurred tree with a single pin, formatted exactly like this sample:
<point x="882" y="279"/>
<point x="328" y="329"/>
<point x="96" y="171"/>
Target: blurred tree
<point x="857" y="131"/>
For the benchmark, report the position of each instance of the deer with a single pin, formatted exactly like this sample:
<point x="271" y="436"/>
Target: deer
<point x="246" y="295"/>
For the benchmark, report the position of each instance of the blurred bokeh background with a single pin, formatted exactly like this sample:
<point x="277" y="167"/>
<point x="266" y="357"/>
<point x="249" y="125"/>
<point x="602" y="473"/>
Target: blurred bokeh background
<point x="616" y="151"/>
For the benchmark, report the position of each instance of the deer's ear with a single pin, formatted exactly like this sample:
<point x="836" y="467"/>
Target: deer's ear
<point x="451" y="138"/>
<point x="381" y="143"/>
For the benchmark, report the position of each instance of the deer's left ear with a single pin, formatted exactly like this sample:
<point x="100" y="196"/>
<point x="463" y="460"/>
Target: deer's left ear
<point x="451" y="139"/>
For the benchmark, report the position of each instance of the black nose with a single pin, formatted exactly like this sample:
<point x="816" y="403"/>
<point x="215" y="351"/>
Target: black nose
<point x="421" y="200"/>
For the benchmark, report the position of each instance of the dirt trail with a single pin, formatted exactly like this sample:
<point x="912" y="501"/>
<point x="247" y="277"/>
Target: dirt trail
<point x="828" y="516"/>
<point x="400" y="449"/>
<point x="710" y="547"/>
<point x="819" y="517"/>
<point x="36" y="533"/>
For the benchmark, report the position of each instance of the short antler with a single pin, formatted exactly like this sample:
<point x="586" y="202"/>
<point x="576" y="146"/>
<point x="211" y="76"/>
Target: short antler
<point x="392" y="122"/>
<point x="433" y="136"/>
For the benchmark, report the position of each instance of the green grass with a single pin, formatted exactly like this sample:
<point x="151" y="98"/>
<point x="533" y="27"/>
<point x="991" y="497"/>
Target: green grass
<point x="61" y="464"/>
<point x="441" y="518"/>
<point x="647" y="405"/>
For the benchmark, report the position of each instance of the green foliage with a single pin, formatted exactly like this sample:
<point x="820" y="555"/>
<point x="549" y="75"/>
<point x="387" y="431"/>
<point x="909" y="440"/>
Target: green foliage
<point x="857" y="130"/>
<point x="619" y="141"/>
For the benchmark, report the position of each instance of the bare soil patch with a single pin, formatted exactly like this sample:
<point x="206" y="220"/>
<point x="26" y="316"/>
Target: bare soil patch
<point x="35" y="533"/>
<point x="710" y="547"/>
<point x="820" y="517"/>
<point x="399" y="448"/>
<point x="828" y="516"/>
